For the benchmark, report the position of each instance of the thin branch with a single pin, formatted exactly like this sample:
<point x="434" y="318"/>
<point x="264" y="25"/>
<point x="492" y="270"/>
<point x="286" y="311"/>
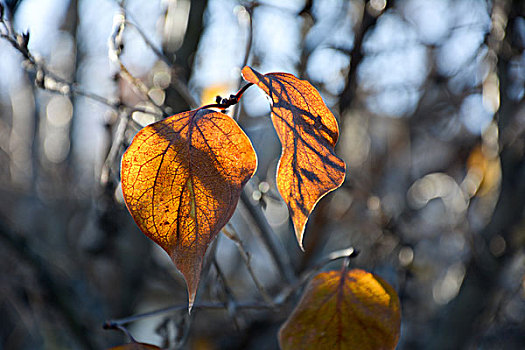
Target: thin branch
<point x="347" y="254"/>
<point x="127" y="332"/>
<point x="51" y="82"/>
<point x="54" y="288"/>
<point x="268" y="237"/>
<point x="178" y="84"/>
<point x="115" y="50"/>
<point x="118" y="140"/>
<point x="231" y="303"/>
<point x="278" y="300"/>
<point x="158" y="52"/>
<point x="229" y="232"/>
<point x="112" y="324"/>
<point x="249" y="10"/>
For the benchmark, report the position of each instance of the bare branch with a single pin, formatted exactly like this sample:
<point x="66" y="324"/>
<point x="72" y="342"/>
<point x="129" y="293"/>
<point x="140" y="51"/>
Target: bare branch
<point x="267" y="235"/>
<point x="231" y="303"/>
<point x="248" y="9"/>
<point x="229" y="231"/>
<point x="277" y="301"/>
<point x="178" y="84"/>
<point x="346" y="254"/>
<point x="112" y="324"/>
<point x="49" y="81"/>
<point x="114" y="52"/>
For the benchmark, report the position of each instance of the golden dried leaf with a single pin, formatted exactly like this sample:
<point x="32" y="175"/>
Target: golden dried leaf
<point x="308" y="167"/>
<point x="344" y="310"/>
<point x="182" y="178"/>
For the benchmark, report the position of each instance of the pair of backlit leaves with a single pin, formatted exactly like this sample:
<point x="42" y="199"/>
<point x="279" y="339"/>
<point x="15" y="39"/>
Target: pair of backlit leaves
<point x="182" y="176"/>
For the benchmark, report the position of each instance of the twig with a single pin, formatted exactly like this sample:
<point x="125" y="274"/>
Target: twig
<point x="54" y="287"/>
<point x="49" y="81"/>
<point x="112" y="324"/>
<point x="178" y="84"/>
<point x="127" y="332"/>
<point x="231" y="304"/>
<point x="346" y="254"/>
<point x="249" y="10"/>
<point x="160" y="55"/>
<point x="245" y="255"/>
<point x="113" y="151"/>
<point x="267" y="235"/>
<point x="278" y="300"/>
<point x="115" y="50"/>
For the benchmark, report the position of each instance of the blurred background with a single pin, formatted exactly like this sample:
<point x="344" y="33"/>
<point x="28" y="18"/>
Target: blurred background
<point x="430" y="100"/>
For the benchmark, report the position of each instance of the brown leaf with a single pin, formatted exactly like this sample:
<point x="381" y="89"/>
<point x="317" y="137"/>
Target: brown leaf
<point x="344" y="310"/>
<point x="182" y="178"/>
<point x="308" y="167"/>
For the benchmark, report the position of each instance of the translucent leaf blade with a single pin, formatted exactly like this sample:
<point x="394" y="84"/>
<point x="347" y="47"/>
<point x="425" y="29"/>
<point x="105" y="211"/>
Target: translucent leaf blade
<point x="182" y="178"/>
<point x="308" y="131"/>
<point x="344" y="310"/>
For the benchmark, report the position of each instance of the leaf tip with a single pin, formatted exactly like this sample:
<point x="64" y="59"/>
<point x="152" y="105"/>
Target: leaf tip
<point x="192" y="282"/>
<point x="190" y="306"/>
<point x="299" y="228"/>
<point x="246" y="72"/>
<point x="191" y="298"/>
<point x="301" y="245"/>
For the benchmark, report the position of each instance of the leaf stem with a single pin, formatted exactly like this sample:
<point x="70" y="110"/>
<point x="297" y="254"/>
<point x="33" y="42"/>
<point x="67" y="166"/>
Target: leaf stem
<point x="224" y="103"/>
<point x="346" y="254"/>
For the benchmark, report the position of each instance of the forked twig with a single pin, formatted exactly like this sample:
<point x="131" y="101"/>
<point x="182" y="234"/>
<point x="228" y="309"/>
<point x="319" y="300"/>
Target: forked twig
<point x="112" y="324"/>
<point x="115" y="50"/>
<point x="224" y="103"/>
<point x="178" y="84"/>
<point x="346" y="254"/>
<point x="279" y="300"/>
<point x="51" y="82"/>
<point x="231" y="303"/>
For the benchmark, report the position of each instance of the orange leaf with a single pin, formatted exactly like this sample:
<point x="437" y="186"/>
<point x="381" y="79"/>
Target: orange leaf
<point x="344" y="310"/>
<point x="135" y="346"/>
<point x="182" y="178"/>
<point x="308" y="167"/>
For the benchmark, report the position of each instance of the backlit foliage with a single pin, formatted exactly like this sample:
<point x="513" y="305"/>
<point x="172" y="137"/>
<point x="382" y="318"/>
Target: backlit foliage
<point x="308" y="167"/>
<point x="181" y="179"/>
<point x="344" y="310"/>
